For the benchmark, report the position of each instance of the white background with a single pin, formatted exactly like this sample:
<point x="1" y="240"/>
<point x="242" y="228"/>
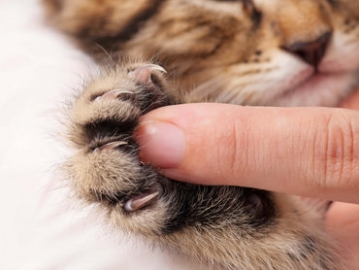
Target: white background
<point x="40" y="227"/>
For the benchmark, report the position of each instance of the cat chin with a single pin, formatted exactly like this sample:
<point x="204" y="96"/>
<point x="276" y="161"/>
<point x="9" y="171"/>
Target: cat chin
<point x="321" y="89"/>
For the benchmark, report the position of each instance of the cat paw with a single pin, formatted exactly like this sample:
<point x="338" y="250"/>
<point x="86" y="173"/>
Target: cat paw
<point x="105" y="168"/>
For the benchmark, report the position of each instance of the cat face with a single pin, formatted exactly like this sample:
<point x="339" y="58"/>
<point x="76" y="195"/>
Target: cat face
<point x="252" y="52"/>
<point x="278" y="52"/>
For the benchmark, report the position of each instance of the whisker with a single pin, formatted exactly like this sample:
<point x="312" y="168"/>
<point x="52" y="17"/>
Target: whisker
<point x="109" y="56"/>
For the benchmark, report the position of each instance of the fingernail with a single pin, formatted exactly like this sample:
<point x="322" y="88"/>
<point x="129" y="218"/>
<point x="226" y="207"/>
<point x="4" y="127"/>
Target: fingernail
<point x="161" y="144"/>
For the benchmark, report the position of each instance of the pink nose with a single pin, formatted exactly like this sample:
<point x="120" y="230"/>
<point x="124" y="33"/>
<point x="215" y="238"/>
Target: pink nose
<point x="310" y="52"/>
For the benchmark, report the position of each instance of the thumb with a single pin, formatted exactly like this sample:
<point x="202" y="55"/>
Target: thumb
<point x="303" y="151"/>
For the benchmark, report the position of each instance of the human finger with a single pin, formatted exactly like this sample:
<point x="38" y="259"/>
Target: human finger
<point x="303" y="151"/>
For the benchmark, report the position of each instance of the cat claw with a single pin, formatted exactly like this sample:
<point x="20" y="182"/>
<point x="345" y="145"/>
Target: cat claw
<point x="115" y="94"/>
<point x="140" y="202"/>
<point x="143" y="73"/>
<point x="111" y="145"/>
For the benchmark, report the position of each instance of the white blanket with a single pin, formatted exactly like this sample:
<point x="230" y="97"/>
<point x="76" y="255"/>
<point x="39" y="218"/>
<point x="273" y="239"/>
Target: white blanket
<point x="40" y="227"/>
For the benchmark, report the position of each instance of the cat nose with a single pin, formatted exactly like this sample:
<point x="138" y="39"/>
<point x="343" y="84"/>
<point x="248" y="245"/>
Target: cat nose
<point x="310" y="52"/>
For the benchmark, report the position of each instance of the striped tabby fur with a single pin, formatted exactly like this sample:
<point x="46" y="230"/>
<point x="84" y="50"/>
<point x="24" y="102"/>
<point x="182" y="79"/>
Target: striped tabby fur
<point x="249" y="52"/>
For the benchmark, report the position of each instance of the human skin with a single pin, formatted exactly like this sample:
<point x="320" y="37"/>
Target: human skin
<point x="311" y="152"/>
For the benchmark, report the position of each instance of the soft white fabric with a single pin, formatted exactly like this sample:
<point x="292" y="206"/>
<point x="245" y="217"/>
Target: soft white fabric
<point x="40" y="228"/>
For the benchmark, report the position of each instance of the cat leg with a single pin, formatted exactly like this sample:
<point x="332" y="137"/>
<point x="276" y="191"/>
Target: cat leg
<point x="106" y="168"/>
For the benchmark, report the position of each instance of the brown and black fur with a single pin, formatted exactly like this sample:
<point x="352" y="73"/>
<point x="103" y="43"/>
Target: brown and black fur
<point x="221" y="51"/>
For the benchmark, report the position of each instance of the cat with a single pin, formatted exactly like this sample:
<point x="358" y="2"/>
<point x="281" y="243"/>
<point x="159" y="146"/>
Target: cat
<point x="247" y="52"/>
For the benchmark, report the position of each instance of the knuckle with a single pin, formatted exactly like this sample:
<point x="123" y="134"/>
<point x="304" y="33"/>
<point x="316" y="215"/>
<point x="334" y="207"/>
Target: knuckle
<point x="338" y="154"/>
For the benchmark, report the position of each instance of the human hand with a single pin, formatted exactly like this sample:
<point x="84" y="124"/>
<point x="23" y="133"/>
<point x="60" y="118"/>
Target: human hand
<point x="311" y="152"/>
